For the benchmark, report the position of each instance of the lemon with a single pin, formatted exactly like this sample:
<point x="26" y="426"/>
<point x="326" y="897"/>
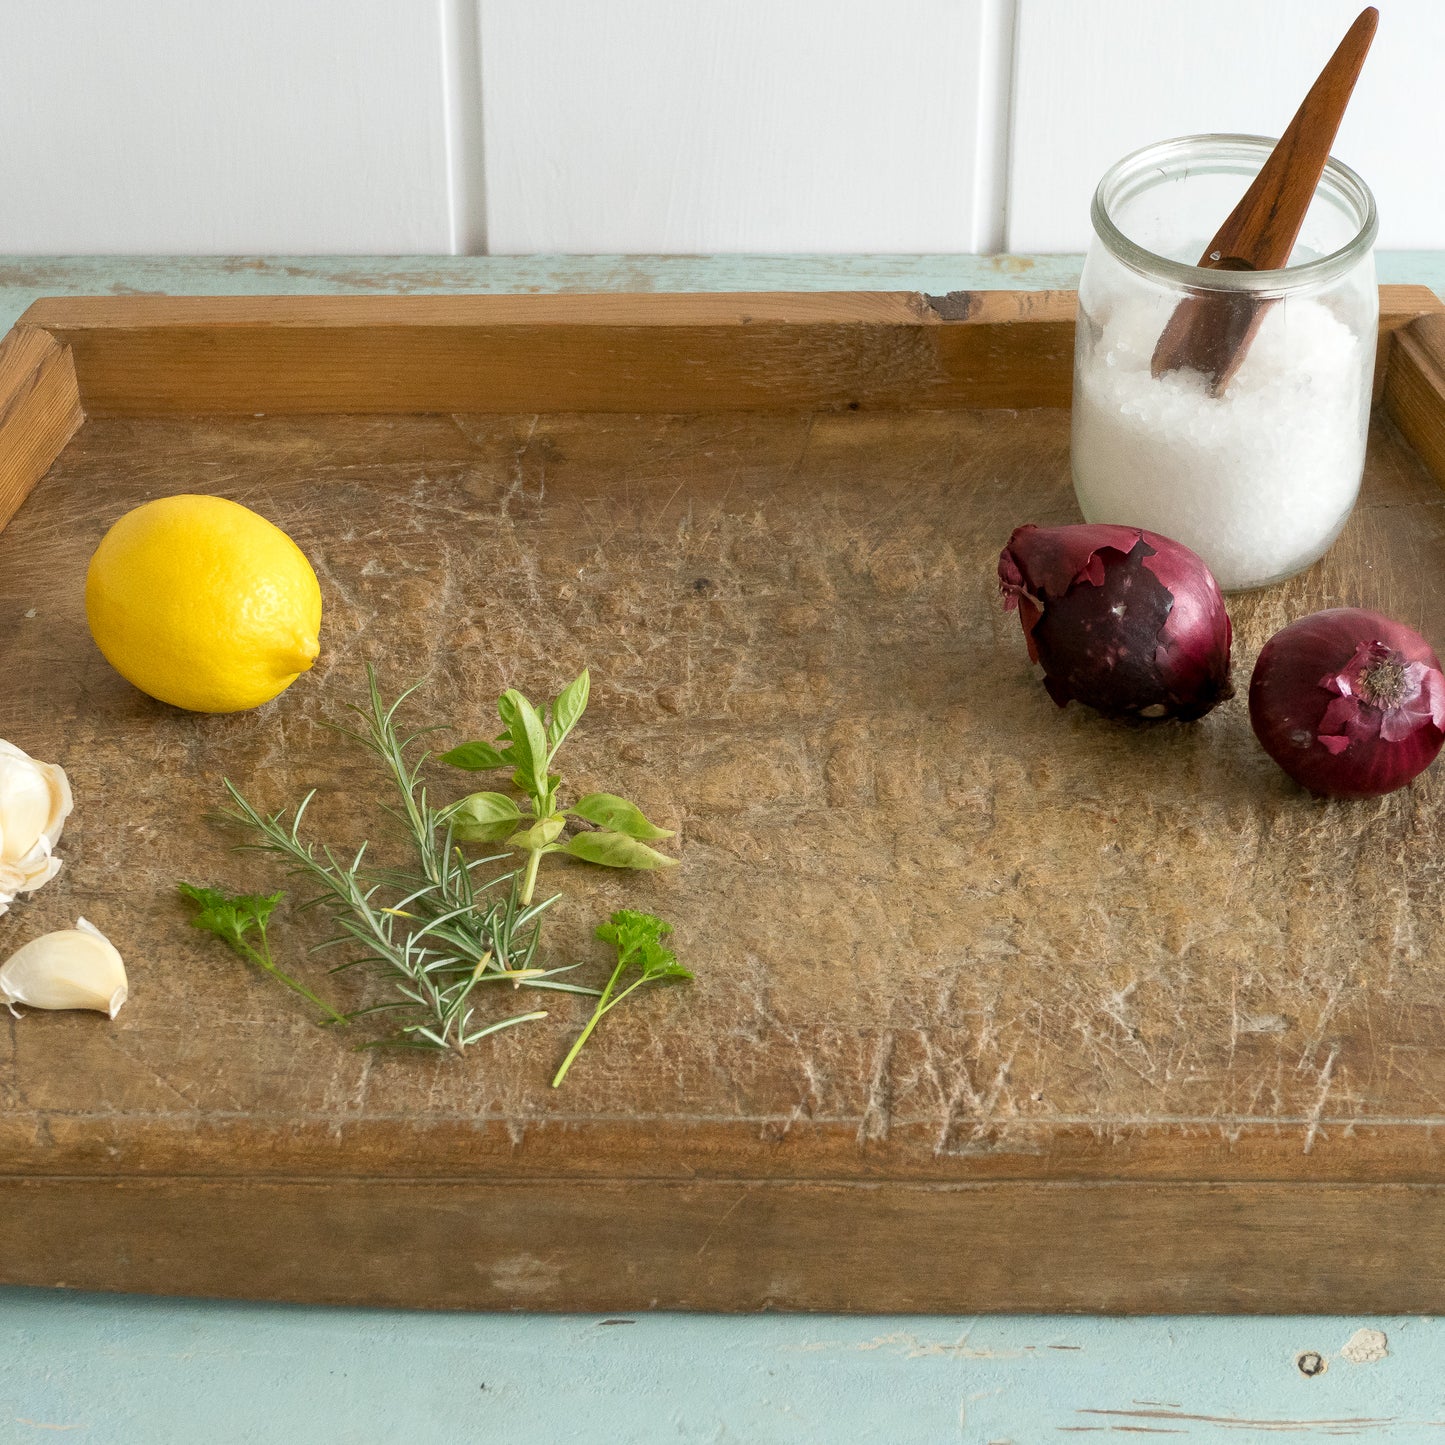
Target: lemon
<point x="203" y="604"/>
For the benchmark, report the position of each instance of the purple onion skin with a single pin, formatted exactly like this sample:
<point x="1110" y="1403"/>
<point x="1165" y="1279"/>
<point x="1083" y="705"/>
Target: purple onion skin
<point x="1349" y="703"/>
<point x="1123" y="620"/>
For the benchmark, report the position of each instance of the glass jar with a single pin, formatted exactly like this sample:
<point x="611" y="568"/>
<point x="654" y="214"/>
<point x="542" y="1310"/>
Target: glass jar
<point x="1260" y="479"/>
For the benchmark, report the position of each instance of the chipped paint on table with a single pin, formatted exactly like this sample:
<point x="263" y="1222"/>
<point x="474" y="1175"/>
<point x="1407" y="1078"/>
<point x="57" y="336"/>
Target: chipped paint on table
<point x="126" y="1370"/>
<point x="24" y="279"/>
<point x="156" y="1372"/>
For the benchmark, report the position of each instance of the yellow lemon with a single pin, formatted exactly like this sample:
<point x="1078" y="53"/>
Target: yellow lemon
<point x="203" y="604"/>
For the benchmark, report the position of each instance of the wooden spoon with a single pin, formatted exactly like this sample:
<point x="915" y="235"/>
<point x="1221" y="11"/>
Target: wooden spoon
<point x="1211" y="333"/>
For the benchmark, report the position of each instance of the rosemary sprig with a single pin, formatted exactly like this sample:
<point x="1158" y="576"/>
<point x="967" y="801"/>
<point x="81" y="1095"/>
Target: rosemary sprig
<point x="439" y="936"/>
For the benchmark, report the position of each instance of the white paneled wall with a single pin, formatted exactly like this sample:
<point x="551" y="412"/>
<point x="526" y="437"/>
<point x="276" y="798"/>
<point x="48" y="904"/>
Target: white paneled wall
<point x="773" y="125"/>
<point x="197" y="125"/>
<point x="393" y="126"/>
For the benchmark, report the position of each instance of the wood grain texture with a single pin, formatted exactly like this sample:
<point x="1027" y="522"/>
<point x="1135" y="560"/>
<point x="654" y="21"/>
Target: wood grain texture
<point x="764" y="351"/>
<point x="740" y="1245"/>
<point x="972" y="972"/>
<point x="943" y="933"/>
<point x="596" y="353"/>
<point x="39" y="411"/>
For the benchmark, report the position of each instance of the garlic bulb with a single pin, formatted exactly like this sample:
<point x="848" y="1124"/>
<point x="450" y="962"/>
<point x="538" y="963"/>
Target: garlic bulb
<point x="34" y="804"/>
<point x="73" y="968"/>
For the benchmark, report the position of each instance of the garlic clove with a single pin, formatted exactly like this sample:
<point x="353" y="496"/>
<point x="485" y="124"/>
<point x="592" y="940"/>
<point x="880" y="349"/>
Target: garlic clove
<point x="62" y="800"/>
<point x="74" y="968"/>
<point x="35" y="800"/>
<point x="24" y="805"/>
<point x="32" y="871"/>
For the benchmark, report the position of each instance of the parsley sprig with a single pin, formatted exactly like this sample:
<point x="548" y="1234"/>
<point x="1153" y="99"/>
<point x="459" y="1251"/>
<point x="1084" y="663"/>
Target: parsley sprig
<point x="231" y="917"/>
<point x="637" y="937"/>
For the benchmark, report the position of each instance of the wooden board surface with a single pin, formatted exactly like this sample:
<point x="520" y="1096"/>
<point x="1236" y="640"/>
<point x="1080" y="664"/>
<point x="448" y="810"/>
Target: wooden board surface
<point x="957" y="951"/>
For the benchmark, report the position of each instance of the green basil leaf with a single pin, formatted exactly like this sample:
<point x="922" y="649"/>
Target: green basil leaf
<point x="497" y="832"/>
<point x="615" y="850"/>
<point x="475" y="757"/>
<point x="483" y="818"/>
<point x="607" y="810"/>
<point x="485" y="808"/>
<point x="528" y="738"/>
<point x="539" y="835"/>
<point x="571" y="703"/>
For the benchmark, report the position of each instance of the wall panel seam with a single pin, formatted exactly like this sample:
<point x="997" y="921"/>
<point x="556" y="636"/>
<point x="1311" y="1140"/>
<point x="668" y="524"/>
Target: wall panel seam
<point x="462" y="108"/>
<point x="998" y="26"/>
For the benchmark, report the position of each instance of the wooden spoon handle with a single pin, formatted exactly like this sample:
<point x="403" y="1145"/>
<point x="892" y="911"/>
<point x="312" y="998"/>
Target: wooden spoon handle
<point x="1264" y="226"/>
<point x="1212" y="333"/>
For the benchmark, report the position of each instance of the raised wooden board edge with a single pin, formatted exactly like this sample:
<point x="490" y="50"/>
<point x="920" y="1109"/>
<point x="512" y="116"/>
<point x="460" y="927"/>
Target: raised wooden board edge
<point x="1415" y="388"/>
<point x="770" y="351"/>
<point x="39" y="411"/>
<point x="739" y="1245"/>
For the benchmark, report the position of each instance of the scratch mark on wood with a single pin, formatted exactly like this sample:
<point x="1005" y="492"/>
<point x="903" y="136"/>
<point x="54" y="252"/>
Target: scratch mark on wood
<point x="874" y="1121"/>
<point x="1317" y="1113"/>
<point x="723" y="1218"/>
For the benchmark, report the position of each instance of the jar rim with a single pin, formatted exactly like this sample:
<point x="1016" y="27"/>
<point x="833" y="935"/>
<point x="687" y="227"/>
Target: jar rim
<point x="1341" y="180"/>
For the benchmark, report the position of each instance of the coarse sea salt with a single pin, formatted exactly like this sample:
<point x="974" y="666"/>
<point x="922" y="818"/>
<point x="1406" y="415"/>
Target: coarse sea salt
<point x="1258" y="481"/>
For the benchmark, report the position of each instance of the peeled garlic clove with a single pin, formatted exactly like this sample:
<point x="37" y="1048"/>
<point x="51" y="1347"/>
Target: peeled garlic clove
<point x="35" y="801"/>
<point x="72" y="968"/>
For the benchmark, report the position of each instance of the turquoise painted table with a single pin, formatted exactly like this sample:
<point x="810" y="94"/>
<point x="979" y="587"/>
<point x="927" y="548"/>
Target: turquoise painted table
<point x="128" y="1371"/>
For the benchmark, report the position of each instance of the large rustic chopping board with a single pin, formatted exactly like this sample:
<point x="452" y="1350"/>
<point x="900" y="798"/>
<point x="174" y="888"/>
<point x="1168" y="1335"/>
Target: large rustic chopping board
<point x="997" y="1006"/>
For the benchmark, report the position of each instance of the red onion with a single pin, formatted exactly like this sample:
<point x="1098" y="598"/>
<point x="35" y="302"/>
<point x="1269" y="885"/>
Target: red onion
<point x="1124" y="620"/>
<point x="1348" y="703"/>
